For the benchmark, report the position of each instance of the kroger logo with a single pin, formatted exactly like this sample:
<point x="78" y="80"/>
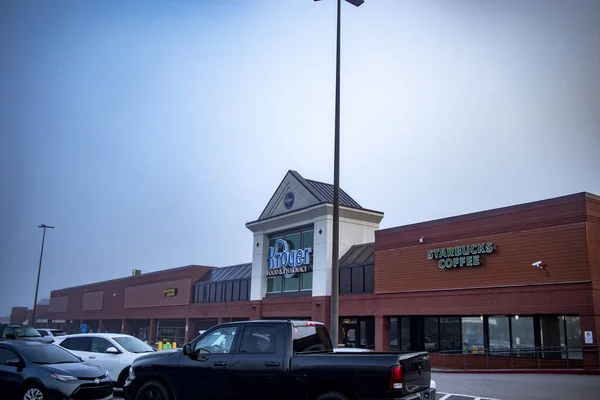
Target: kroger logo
<point x="288" y="200"/>
<point x="286" y="262"/>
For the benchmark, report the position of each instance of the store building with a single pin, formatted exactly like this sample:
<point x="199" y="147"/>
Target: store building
<point x="521" y="280"/>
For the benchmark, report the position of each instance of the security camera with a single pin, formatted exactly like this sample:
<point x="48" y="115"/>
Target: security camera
<point x="537" y="264"/>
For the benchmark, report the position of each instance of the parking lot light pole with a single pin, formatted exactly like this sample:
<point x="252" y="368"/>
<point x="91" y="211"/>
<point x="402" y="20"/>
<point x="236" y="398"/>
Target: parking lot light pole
<point x="335" y="253"/>
<point x="37" y="285"/>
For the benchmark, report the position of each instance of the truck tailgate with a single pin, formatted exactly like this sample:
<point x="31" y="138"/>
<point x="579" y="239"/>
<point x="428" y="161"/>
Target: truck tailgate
<point x="416" y="372"/>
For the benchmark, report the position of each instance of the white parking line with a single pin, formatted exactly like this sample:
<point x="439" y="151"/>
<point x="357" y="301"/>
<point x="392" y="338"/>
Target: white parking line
<point x="447" y="396"/>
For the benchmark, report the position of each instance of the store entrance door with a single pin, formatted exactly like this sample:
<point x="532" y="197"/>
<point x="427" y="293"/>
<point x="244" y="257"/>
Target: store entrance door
<point x="351" y="335"/>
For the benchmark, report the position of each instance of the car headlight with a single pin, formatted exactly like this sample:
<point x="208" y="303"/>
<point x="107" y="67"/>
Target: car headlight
<point x="131" y="374"/>
<point x="106" y="374"/>
<point x="63" y="378"/>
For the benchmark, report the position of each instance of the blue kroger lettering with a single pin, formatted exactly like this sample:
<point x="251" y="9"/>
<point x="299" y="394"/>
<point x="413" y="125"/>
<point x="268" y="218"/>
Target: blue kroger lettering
<point x="286" y="262"/>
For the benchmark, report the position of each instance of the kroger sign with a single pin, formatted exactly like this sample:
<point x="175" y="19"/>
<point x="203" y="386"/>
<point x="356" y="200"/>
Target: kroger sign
<point x="286" y="262"/>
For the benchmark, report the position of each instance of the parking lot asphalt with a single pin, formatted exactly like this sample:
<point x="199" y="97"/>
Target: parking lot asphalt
<point x="512" y="386"/>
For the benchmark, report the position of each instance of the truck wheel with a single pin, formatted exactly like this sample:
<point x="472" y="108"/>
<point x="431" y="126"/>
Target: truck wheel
<point x="153" y="390"/>
<point x="332" y="396"/>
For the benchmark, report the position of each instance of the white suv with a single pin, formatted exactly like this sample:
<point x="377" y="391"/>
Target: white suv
<point x="112" y="351"/>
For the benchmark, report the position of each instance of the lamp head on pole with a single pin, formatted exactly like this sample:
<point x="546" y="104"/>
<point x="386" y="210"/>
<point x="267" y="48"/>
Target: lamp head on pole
<point x="45" y="226"/>
<point x="353" y="2"/>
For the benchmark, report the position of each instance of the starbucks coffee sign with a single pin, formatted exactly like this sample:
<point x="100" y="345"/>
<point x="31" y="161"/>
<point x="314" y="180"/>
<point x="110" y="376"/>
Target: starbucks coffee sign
<point x="461" y="256"/>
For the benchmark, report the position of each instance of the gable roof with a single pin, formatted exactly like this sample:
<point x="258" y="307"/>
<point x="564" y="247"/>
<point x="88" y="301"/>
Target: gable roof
<point x="359" y="254"/>
<point x="233" y="272"/>
<point x="314" y="192"/>
<point x="325" y="192"/>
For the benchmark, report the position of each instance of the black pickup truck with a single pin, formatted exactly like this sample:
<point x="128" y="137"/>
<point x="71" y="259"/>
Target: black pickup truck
<point x="276" y="360"/>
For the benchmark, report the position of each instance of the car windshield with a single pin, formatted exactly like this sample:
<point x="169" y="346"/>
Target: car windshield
<point x="132" y="344"/>
<point x="26" y="331"/>
<point x="58" y="333"/>
<point x="48" y="354"/>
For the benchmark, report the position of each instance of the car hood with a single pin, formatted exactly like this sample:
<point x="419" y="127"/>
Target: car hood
<point x="158" y="355"/>
<point x="78" y="370"/>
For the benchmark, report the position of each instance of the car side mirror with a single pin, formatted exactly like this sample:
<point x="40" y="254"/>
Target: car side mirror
<point x="15" y="362"/>
<point x="187" y="349"/>
<point x="11" y="336"/>
<point x="112" y="350"/>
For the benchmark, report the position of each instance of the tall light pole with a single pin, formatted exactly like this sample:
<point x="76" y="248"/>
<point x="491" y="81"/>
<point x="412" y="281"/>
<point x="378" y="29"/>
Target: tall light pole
<point x="335" y="253"/>
<point x="37" y="285"/>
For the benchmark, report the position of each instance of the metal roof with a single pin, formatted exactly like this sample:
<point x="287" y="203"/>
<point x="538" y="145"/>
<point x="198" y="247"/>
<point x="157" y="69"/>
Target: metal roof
<point x="359" y="254"/>
<point x="231" y="273"/>
<point x="324" y="192"/>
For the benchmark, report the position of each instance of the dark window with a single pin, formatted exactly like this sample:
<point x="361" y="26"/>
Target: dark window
<point x="345" y="281"/>
<point x="236" y="291"/>
<point x="8" y="330"/>
<point x="262" y="340"/>
<point x="450" y="333"/>
<point x="7" y="354"/>
<point x="99" y="345"/>
<point x="228" y="291"/>
<point x="218" y="341"/>
<point x="523" y="336"/>
<point x="307" y="281"/>
<point x="357" y="280"/>
<point x="43" y="333"/>
<point x="472" y="334"/>
<point x="311" y="338"/>
<point x="244" y="290"/>
<point x="219" y="292"/>
<point x="200" y="294"/>
<point x="499" y="335"/>
<point x="405" y="334"/>
<point x="77" y="343"/>
<point x="369" y="279"/>
<point x="274" y="284"/>
<point x="394" y="334"/>
<point x="213" y="293"/>
<point x="291" y="284"/>
<point x="431" y="333"/>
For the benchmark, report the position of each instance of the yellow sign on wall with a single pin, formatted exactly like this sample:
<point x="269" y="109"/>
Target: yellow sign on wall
<point x="171" y="292"/>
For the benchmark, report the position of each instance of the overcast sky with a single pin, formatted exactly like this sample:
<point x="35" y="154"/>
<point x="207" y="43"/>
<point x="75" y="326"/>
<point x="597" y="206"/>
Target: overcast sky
<point x="150" y="132"/>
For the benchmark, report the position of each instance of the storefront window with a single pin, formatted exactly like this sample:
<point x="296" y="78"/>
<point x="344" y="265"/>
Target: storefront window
<point x="394" y="334"/>
<point x="472" y="334"/>
<point x="293" y="241"/>
<point x="573" y="325"/>
<point x="291" y="284"/>
<point x="307" y="281"/>
<point x="450" y="333"/>
<point x="499" y="335"/>
<point x="274" y="284"/>
<point x="523" y="341"/>
<point x="299" y="239"/>
<point x="431" y="333"/>
<point x="405" y="334"/>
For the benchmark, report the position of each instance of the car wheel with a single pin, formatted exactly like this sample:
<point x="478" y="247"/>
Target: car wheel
<point x="153" y="390"/>
<point x="332" y="396"/>
<point x="33" y="393"/>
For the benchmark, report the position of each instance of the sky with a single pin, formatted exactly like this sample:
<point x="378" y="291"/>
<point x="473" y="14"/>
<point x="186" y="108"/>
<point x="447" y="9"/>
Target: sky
<point x="148" y="133"/>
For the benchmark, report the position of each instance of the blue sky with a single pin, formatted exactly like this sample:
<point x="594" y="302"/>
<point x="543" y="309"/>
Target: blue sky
<point x="149" y="132"/>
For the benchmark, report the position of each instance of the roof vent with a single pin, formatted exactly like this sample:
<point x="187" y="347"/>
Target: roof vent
<point x="136" y="272"/>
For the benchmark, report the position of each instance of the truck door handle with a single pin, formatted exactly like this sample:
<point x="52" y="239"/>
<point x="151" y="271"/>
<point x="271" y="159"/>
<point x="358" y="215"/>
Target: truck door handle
<point x="220" y="364"/>
<point x="92" y="358"/>
<point x="272" y="364"/>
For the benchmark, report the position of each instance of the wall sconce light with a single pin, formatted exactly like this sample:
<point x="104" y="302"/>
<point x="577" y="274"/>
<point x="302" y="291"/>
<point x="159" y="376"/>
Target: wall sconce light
<point x="421" y="239"/>
<point x="481" y="317"/>
<point x="517" y="317"/>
